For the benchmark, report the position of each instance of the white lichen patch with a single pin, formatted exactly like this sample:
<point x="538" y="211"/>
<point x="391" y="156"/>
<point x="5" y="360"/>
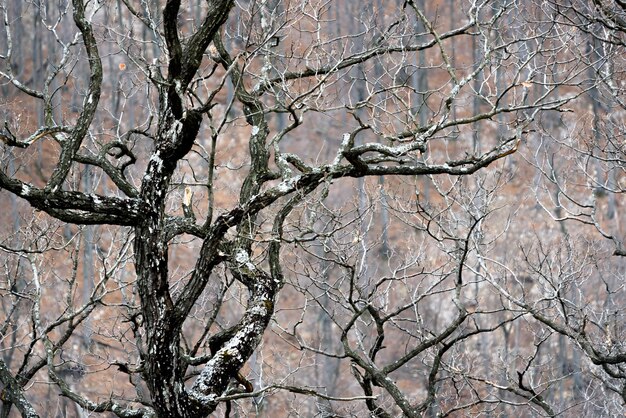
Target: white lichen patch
<point x="156" y="158"/>
<point x="287" y="185"/>
<point x="25" y="189"/>
<point x="242" y="257"/>
<point x="258" y="310"/>
<point x="255" y="130"/>
<point x="158" y="162"/>
<point x="203" y="399"/>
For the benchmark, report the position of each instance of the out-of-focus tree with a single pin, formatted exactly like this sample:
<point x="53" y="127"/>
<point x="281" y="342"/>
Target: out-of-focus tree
<point x="595" y="141"/>
<point x="191" y="241"/>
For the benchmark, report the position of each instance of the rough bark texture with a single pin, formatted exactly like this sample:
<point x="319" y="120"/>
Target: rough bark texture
<point x="406" y="108"/>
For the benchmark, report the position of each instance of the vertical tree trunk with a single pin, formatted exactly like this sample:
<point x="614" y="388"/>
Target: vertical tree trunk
<point x="88" y="258"/>
<point x="37" y="71"/>
<point x="420" y="83"/>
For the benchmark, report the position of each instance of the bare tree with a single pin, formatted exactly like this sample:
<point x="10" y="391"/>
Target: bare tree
<point x="198" y="161"/>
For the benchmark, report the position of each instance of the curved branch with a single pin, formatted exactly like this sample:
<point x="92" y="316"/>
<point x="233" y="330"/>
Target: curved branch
<point x="90" y="103"/>
<point x="13" y="391"/>
<point x="76" y="207"/>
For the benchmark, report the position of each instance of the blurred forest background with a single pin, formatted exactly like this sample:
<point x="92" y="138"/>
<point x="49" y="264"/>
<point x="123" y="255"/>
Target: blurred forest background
<point x="461" y="252"/>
